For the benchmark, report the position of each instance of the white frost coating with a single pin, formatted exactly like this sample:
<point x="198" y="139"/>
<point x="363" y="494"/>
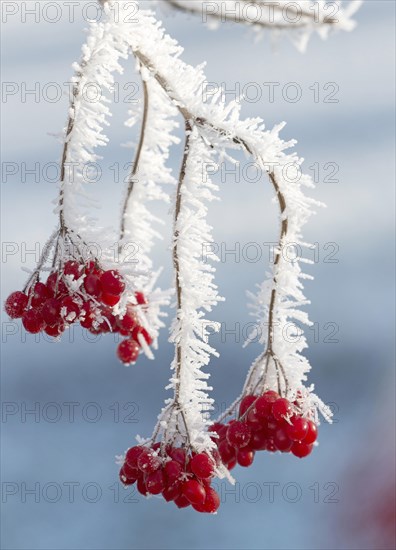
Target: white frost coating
<point x="221" y="126"/>
<point x="199" y="294"/>
<point x="297" y="20"/>
<point x="106" y="44"/>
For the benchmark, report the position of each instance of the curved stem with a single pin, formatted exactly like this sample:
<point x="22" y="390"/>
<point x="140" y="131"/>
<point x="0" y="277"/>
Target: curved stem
<point x="135" y="166"/>
<point x="240" y="18"/>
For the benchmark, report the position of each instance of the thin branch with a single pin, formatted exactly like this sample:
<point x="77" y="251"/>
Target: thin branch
<point x="311" y="16"/>
<point x="135" y="166"/>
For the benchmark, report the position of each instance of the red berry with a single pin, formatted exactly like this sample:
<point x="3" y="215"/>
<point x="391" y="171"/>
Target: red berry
<point x="155" y="482"/>
<point x="141" y="486"/>
<point x="112" y="282"/>
<point x="271" y="446"/>
<point x="51" y="311"/>
<point x="202" y="466"/>
<point x="55" y="285"/>
<point x="128" y="352"/>
<point x="252" y="419"/>
<point x="15" y="304"/>
<point x="246" y="403"/>
<point x="92" y="285"/>
<point x="33" y="321"/>
<point x="125" y="479"/>
<point x="312" y="433"/>
<point x="173" y="471"/>
<point x="219" y="429"/>
<point x="148" y="462"/>
<point x="87" y="315"/>
<point x="73" y="269"/>
<point x="281" y="408"/>
<point x="179" y="455"/>
<point x="300" y="449"/>
<point x="231" y="465"/>
<point x="140" y="298"/>
<point x="258" y="440"/>
<point x="263" y="405"/>
<point x="139" y="332"/>
<point x="227" y="452"/>
<point x="298" y="428"/>
<point x="132" y="455"/>
<point x="245" y="458"/>
<point x="39" y="294"/>
<point x="128" y="322"/>
<point x="182" y="502"/>
<point x="109" y="299"/>
<point x="238" y="434"/>
<point x="212" y="501"/>
<point x="70" y="309"/>
<point x="282" y="441"/>
<point x="172" y="492"/>
<point x="133" y="473"/>
<point x="194" y="491"/>
<point x="55" y="331"/>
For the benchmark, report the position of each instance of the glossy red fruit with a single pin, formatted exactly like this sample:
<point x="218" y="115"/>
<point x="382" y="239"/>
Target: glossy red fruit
<point x="112" y="282"/>
<point x="70" y="309"/>
<point x="194" y="492"/>
<point x="128" y="322"/>
<point x="132" y="455"/>
<point x="133" y="473"/>
<point x="218" y="428"/>
<point x="227" y="452"/>
<point x="109" y="299"/>
<point x="87" y="315"/>
<point x="140" y="298"/>
<point x="148" y="462"/>
<point x="173" y="470"/>
<point x="51" y="311"/>
<point x="263" y="405"/>
<point x="182" y="502"/>
<point x="139" y="332"/>
<point x="258" y="441"/>
<point x="172" y="492"/>
<point x="282" y="441"/>
<point x="55" y="331"/>
<point x="245" y="458"/>
<point x="141" y="486"/>
<point x="298" y="428"/>
<point x="155" y="482"/>
<point x="33" y="321"/>
<point x="39" y="294"/>
<point x="92" y="285"/>
<point x="72" y="269"/>
<point x="93" y="268"/>
<point x="246" y="403"/>
<point x="231" y="465"/>
<point x="281" y="409"/>
<point x="128" y="352"/>
<point x="238" y="434"/>
<point x="126" y="480"/>
<point x="212" y="501"/>
<point x="301" y="449"/>
<point x="312" y="433"/>
<point x="55" y="285"/>
<point x="271" y="446"/>
<point x="202" y="466"/>
<point x="252" y="419"/>
<point x="178" y="454"/>
<point x="15" y="304"/>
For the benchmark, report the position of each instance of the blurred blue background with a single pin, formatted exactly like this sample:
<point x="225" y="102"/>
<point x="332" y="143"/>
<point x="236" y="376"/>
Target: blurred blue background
<point x="59" y="481"/>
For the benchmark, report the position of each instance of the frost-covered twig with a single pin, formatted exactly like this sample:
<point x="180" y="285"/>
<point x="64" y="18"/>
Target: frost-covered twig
<point x="299" y="19"/>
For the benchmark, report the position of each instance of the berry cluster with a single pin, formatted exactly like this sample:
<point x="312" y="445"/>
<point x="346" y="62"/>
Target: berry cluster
<point x="266" y="423"/>
<point x="177" y="475"/>
<point x="84" y="293"/>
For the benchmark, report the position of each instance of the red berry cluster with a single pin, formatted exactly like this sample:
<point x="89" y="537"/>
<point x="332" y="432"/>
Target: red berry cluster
<point x="179" y="477"/>
<point x="84" y="293"/>
<point x="266" y="423"/>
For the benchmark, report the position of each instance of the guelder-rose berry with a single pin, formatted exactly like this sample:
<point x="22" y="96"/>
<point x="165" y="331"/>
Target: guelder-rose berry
<point x="148" y="462"/>
<point x="194" y="492"/>
<point x="281" y="408"/>
<point x="92" y="285"/>
<point x="182" y="502"/>
<point x="263" y="405"/>
<point x="173" y="471"/>
<point x="201" y="465"/>
<point x="301" y="449"/>
<point x="39" y="294"/>
<point x="132" y="455"/>
<point x="246" y="403"/>
<point x="73" y="269"/>
<point x="140" y="298"/>
<point x="70" y="309"/>
<point x="112" y="282"/>
<point x="141" y="331"/>
<point x="212" y="501"/>
<point x="109" y="299"/>
<point x="238" y="434"/>
<point x="55" y="285"/>
<point x="155" y="483"/>
<point x="32" y="321"/>
<point x="51" y="311"/>
<point x="128" y="352"/>
<point x="298" y="428"/>
<point x="282" y="441"/>
<point x="15" y="304"/>
<point x="245" y="458"/>
<point x="312" y="433"/>
<point x="55" y="331"/>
